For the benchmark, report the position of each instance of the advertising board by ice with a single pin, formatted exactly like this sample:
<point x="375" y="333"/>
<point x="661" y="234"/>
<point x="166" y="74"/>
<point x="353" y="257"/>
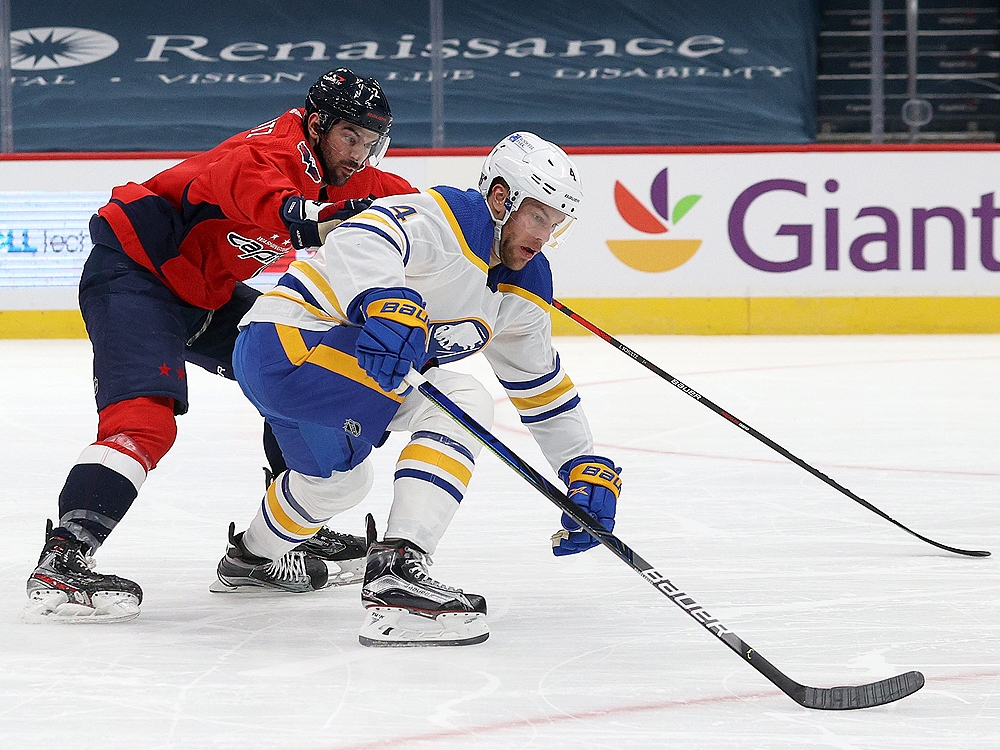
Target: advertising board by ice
<point x="700" y="225"/>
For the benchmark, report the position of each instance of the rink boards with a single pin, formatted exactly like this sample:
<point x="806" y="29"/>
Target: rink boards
<point x="728" y="240"/>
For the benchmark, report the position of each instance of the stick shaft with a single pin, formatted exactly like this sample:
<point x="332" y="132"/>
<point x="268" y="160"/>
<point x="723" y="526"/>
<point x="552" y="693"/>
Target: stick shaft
<point x="687" y="390"/>
<point x="799" y="693"/>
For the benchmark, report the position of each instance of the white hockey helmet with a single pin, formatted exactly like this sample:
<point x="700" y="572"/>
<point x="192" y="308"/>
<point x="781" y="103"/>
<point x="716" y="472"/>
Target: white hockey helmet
<point x="534" y="168"/>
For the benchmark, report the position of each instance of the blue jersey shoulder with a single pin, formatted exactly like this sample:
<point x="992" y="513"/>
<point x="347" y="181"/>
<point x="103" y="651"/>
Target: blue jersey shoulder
<point x="535" y="277"/>
<point x="473" y="216"/>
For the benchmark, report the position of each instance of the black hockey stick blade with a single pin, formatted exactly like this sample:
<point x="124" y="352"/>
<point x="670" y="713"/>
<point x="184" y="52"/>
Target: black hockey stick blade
<point x="862" y="696"/>
<point x="843" y="698"/>
<point x="838" y="698"/>
<point x="754" y="433"/>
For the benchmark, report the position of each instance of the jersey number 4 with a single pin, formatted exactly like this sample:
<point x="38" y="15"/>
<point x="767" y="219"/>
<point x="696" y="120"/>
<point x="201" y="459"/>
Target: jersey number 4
<point x="402" y="212"/>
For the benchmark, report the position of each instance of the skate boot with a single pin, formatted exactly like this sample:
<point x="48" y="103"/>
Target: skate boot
<point x="406" y="607"/>
<point x="345" y="555"/>
<point x="66" y="588"/>
<point x="295" y="571"/>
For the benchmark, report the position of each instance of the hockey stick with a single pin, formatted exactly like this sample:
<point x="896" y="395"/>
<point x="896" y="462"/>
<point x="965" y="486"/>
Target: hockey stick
<point x="751" y="431"/>
<point x="836" y="698"/>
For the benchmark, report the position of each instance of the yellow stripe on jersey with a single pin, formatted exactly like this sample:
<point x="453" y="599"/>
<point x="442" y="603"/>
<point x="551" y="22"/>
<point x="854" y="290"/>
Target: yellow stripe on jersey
<point x="457" y="229"/>
<point x="283" y="519"/>
<point x="321" y="283"/>
<point x="326" y="357"/>
<point x="311" y="308"/>
<point x="436" y="458"/>
<point x="401" y="239"/>
<point x="525" y="294"/>
<point x="543" y="399"/>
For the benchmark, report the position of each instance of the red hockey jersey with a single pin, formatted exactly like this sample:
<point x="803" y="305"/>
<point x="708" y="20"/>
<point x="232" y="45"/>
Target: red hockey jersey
<point x="215" y="218"/>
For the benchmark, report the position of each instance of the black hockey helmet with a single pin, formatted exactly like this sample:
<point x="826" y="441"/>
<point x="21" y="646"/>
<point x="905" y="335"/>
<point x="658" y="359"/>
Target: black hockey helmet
<point x="342" y="95"/>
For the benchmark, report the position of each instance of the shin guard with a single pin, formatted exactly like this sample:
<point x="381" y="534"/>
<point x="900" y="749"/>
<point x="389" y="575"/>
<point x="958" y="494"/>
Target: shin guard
<point x="132" y="437"/>
<point x="432" y="475"/>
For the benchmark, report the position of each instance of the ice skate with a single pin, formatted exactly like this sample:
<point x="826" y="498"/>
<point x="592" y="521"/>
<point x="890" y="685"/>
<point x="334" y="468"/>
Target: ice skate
<point x="406" y="607"/>
<point x="66" y="588"/>
<point x="296" y="571"/>
<point x="345" y="555"/>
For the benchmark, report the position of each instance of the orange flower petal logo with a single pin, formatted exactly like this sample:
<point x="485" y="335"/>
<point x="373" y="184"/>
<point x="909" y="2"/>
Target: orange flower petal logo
<point x="634" y="213"/>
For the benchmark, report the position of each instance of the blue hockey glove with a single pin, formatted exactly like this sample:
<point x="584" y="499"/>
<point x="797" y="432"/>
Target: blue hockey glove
<point x="394" y="336"/>
<point x="594" y="485"/>
<point x="310" y="222"/>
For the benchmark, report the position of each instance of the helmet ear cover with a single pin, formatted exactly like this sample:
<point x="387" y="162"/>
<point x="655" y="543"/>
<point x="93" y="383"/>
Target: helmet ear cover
<point x="507" y="202"/>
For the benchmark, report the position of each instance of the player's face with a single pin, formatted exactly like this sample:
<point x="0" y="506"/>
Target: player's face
<point x="344" y="150"/>
<point x="526" y="232"/>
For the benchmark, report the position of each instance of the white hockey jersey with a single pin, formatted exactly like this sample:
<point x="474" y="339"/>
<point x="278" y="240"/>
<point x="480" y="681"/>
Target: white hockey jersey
<point x="438" y="244"/>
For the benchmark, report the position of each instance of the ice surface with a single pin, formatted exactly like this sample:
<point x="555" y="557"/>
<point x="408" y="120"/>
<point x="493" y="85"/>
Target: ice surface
<point x="583" y="653"/>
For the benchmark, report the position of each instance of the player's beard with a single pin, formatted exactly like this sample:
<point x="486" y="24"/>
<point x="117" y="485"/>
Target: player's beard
<point x="512" y="254"/>
<point x="337" y="169"/>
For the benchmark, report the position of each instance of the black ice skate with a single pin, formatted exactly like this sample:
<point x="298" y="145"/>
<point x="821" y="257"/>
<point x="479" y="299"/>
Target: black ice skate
<point x="406" y="607"/>
<point x="295" y="571"/>
<point x="344" y="554"/>
<point x="66" y="588"/>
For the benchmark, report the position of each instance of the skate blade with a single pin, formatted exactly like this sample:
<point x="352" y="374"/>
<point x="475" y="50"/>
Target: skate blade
<point x="396" y="627"/>
<point x="218" y="586"/>
<point x="345" y="572"/>
<point x="54" y="606"/>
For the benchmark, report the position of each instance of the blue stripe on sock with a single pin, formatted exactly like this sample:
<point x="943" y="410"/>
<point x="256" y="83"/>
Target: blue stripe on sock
<point x="275" y="530"/>
<point x="286" y="490"/>
<point x="433" y="479"/>
<point x="444" y="439"/>
<point x="553" y="412"/>
<point x="527" y="384"/>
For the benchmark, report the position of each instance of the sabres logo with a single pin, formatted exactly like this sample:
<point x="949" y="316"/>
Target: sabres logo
<point x="454" y="339"/>
<point x="312" y="170"/>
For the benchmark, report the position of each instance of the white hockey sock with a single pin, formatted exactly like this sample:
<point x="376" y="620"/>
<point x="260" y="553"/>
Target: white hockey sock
<point x="432" y="475"/>
<point x="295" y="506"/>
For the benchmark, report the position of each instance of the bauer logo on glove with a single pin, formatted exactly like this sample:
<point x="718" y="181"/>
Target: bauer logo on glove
<point x="400" y="310"/>
<point x="393" y="335"/>
<point x="593" y="484"/>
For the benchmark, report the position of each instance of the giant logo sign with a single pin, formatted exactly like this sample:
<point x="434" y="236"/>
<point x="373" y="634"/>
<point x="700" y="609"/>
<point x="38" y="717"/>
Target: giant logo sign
<point x="653" y="256"/>
<point x="786" y="224"/>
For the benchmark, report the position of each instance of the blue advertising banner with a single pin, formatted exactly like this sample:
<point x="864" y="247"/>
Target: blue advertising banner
<point x="139" y="75"/>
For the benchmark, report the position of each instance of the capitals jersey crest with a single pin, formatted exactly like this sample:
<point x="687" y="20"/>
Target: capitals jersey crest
<point x="252" y="249"/>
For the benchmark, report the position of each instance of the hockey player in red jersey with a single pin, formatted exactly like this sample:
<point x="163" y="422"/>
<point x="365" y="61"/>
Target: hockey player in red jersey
<point x="163" y="287"/>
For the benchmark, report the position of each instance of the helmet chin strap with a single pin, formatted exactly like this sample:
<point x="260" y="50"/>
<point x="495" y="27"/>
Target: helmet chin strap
<point x="498" y="225"/>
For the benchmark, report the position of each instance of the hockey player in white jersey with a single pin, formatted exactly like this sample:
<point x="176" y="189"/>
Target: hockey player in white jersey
<point x="417" y="281"/>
